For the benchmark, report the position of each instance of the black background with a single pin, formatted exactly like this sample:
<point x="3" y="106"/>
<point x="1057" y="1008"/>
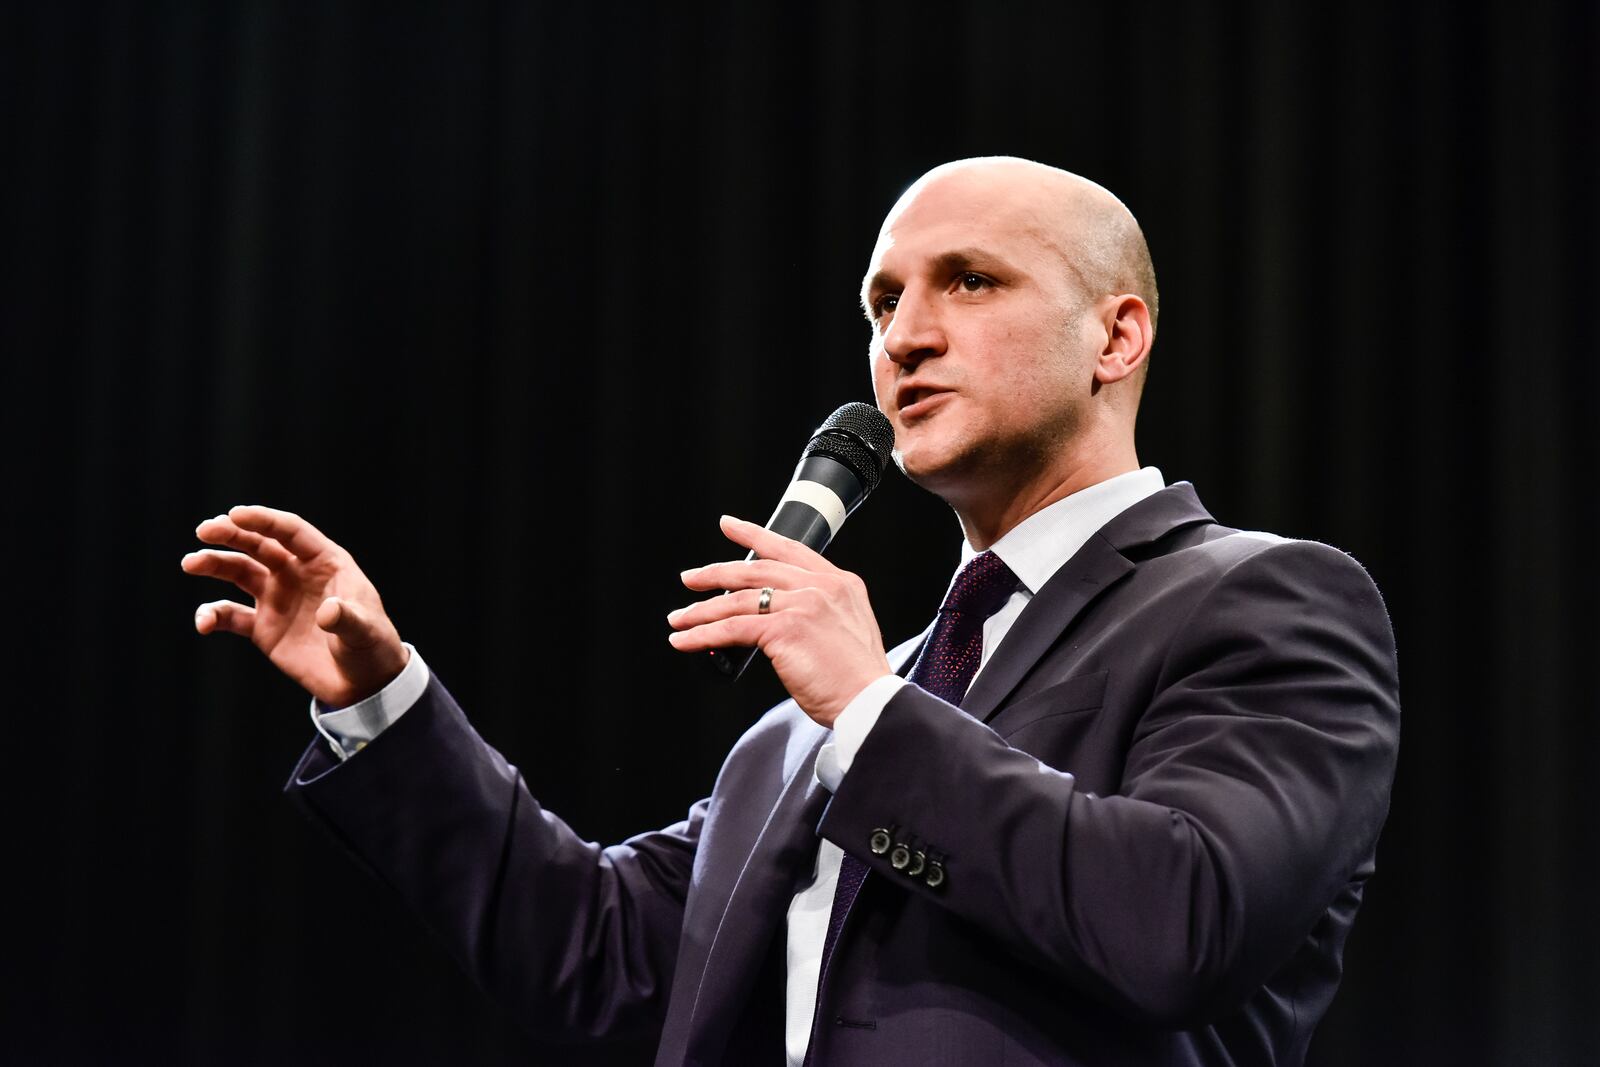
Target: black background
<point x="513" y="300"/>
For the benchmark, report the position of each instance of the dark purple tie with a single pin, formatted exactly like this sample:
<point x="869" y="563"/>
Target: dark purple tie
<point x="944" y="668"/>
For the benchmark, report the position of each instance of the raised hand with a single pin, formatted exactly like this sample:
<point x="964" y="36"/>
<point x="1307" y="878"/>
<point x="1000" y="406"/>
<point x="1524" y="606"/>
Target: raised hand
<point x="316" y="616"/>
<point x="818" y="628"/>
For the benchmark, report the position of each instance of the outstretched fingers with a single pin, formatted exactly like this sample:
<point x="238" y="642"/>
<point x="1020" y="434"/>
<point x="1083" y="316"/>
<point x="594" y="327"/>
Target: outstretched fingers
<point x="225" y="616"/>
<point x="236" y="567"/>
<point x="223" y="531"/>
<point x="303" y="540"/>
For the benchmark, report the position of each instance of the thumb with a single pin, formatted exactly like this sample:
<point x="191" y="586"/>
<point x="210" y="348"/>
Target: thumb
<point x="348" y="621"/>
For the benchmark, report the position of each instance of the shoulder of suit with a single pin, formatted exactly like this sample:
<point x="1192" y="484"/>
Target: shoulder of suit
<point x="1221" y="549"/>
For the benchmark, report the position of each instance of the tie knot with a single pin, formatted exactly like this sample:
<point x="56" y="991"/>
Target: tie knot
<point x="982" y="587"/>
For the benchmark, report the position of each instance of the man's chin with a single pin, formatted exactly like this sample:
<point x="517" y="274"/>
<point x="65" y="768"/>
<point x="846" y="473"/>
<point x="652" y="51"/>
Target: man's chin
<point x="938" y="474"/>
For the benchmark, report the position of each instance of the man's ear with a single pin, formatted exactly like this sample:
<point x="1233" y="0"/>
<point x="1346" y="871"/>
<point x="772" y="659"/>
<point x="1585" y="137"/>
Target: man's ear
<point x="1128" y="339"/>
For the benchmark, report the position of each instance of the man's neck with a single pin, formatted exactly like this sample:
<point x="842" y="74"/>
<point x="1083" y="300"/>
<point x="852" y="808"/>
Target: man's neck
<point x="983" y="522"/>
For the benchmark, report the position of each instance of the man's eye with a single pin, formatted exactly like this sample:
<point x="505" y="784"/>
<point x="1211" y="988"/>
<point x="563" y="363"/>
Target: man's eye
<point x="885" y="304"/>
<point x="973" y="282"/>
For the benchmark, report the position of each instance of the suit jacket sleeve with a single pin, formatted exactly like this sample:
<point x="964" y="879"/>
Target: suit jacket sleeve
<point x="580" y="939"/>
<point x="1256" y="779"/>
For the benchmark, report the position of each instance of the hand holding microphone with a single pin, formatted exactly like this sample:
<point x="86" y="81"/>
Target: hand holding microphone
<point x="812" y="619"/>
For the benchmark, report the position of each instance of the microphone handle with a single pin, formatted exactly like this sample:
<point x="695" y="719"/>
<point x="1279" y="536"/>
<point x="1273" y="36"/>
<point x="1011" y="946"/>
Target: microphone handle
<point x="820" y="497"/>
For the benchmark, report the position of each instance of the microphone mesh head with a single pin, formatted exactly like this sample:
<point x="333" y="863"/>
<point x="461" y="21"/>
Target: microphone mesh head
<point x="858" y="436"/>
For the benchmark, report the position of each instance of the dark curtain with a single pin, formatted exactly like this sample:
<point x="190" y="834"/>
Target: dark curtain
<point x="514" y="299"/>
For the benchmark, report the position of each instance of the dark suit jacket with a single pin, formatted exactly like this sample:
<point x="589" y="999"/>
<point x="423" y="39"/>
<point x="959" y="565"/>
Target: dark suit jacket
<point x="1155" y="815"/>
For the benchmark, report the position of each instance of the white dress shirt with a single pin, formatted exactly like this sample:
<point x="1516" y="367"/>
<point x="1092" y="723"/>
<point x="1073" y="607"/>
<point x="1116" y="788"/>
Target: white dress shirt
<point x="1034" y="550"/>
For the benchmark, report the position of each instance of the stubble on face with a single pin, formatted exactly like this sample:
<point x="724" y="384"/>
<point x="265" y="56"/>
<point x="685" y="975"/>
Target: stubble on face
<point x="980" y="445"/>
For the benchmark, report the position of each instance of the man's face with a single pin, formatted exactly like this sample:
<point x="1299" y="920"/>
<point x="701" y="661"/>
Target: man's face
<point x="981" y="358"/>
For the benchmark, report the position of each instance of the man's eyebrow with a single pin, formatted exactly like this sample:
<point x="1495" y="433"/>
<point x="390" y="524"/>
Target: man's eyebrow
<point x="945" y="263"/>
<point x="960" y="259"/>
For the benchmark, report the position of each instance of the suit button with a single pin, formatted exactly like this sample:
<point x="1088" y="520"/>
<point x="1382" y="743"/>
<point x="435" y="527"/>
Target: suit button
<point x="934" y="875"/>
<point x="900" y="857"/>
<point x="919" y="859"/>
<point x="879" y="842"/>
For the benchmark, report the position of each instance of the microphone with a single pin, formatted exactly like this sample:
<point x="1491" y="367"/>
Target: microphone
<point x="840" y="465"/>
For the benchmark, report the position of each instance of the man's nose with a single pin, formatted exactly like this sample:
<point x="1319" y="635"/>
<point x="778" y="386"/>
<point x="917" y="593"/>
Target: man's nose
<point x="915" y="333"/>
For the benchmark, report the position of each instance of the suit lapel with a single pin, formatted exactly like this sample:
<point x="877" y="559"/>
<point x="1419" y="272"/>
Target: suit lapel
<point x="1096" y="567"/>
<point x="760" y="897"/>
<point x="785" y="846"/>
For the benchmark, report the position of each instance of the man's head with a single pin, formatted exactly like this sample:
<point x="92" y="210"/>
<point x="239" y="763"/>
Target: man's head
<point x="1013" y="307"/>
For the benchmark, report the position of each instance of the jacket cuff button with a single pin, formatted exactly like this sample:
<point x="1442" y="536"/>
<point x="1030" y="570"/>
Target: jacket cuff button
<point x="879" y="842"/>
<point x="919" y="860"/>
<point x="900" y="858"/>
<point x="934" y="875"/>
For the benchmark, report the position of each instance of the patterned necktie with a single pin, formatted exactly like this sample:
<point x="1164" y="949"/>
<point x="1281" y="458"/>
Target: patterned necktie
<point x="945" y="668"/>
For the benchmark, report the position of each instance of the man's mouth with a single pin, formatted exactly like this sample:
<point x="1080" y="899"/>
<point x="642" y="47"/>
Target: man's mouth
<point x="918" y="400"/>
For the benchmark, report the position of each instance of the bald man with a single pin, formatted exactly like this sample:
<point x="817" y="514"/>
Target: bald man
<point x="1117" y="806"/>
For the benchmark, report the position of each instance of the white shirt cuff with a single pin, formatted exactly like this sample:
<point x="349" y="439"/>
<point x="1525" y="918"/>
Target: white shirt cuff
<point x="349" y="729"/>
<point x="850" y="729"/>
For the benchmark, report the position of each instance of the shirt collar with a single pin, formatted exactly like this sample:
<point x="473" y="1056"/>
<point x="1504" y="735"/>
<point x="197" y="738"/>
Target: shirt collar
<point x="1037" y="546"/>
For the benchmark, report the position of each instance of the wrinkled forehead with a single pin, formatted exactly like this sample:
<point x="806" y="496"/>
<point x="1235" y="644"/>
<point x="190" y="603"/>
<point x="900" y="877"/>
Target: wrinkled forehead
<point x="970" y="210"/>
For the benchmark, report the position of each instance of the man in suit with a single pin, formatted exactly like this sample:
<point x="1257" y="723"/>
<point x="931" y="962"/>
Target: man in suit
<point x="1120" y="810"/>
